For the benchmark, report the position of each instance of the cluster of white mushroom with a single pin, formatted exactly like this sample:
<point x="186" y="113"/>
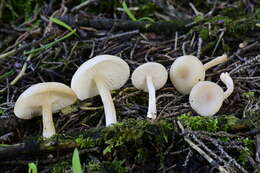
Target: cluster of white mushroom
<point x="187" y="75"/>
<point x="101" y="74"/>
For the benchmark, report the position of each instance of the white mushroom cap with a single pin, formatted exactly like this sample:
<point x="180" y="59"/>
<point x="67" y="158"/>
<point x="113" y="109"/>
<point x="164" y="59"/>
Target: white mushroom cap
<point x="156" y="71"/>
<point x="112" y="70"/>
<point x="185" y="72"/>
<point x="206" y="98"/>
<point x="150" y="77"/>
<point x="98" y="76"/>
<point x="30" y="102"/>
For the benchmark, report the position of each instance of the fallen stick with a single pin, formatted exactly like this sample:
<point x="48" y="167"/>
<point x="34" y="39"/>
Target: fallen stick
<point x="164" y="27"/>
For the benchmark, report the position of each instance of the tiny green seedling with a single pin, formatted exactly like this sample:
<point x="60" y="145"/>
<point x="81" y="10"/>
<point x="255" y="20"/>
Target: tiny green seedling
<point x="63" y="24"/>
<point x="76" y="166"/>
<point x="131" y="15"/>
<point x="32" y="168"/>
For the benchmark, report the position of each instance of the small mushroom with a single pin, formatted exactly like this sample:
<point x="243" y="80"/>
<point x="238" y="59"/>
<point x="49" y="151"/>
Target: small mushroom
<point x="44" y="99"/>
<point x="98" y="76"/>
<point x="207" y="97"/>
<point x="188" y="70"/>
<point x="150" y="77"/>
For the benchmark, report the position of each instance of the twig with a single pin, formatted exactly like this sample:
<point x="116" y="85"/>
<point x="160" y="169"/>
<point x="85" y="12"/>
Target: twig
<point x="67" y="156"/>
<point x="222" y="151"/>
<point x="6" y="137"/>
<point x="216" y="46"/>
<point x="244" y="66"/>
<point x="208" y="150"/>
<point x="176" y="41"/>
<point x="200" y="151"/>
<point x="7" y="54"/>
<point x="183" y="47"/>
<point x="197" y="13"/>
<point x="243" y="50"/>
<point x="118" y="35"/>
<point x="199" y="47"/>
<point x="167" y="27"/>
<point x="22" y="72"/>
<point x="83" y="4"/>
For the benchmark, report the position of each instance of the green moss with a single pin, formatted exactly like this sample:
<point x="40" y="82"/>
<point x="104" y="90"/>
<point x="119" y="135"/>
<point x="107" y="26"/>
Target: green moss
<point x="246" y="152"/>
<point x="122" y="133"/>
<point x="85" y="142"/>
<point x="250" y="95"/>
<point x="60" y="166"/>
<point x="116" y="166"/>
<point x="95" y="167"/>
<point x="236" y="23"/>
<point x="204" y="34"/>
<point x="227" y="122"/>
<point x="16" y="8"/>
<point x="209" y="124"/>
<point x="208" y="47"/>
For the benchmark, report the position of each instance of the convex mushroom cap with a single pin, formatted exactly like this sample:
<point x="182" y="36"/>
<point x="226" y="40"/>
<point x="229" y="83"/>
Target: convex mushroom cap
<point x="150" y="77"/>
<point x="98" y="76"/>
<point x="206" y="97"/>
<point x="188" y="70"/>
<point x="44" y="99"/>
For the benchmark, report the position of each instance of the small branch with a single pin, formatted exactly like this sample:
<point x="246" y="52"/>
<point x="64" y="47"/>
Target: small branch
<point x="35" y="147"/>
<point x="83" y="4"/>
<point x="201" y="152"/>
<point x="157" y="27"/>
<point x="7" y="54"/>
<point x="22" y="72"/>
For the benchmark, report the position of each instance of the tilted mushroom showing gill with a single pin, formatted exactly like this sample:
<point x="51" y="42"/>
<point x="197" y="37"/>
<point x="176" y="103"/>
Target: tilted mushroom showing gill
<point x="44" y="99"/>
<point x="98" y="76"/>
<point x="207" y="97"/>
<point x="150" y="77"/>
<point x="188" y="70"/>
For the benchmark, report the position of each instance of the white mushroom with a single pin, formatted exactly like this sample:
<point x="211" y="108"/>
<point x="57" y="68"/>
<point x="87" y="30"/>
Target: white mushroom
<point x="207" y="97"/>
<point x="98" y="76"/>
<point x="188" y="70"/>
<point x="44" y="99"/>
<point x="150" y="77"/>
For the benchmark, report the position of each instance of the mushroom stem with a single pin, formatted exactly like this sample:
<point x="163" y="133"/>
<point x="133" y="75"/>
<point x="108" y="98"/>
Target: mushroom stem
<point x="227" y="80"/>
<point x="152" y="100"/>
<point x="215" y="62"/>
<point x="109" y="107"/>
<point x="48" y="126"/>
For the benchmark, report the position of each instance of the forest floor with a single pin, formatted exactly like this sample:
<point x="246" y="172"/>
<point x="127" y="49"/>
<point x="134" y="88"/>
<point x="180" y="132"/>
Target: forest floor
<point x="36" y="46"/>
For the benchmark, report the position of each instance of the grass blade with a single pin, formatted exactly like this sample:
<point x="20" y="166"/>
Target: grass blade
<point x="63" y="24"/>
<point x="128" y="12"/>
<point x="146" y="19"/>
<point x="49" y="45"/>
<point x="32" y="168"/>
<point x="76" y="166"/>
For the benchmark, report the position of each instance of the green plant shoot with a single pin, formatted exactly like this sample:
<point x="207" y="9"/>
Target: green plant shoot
<point x="76" y="166"/>
<point x="32" y="168"/>
<point x="128" y="12"/>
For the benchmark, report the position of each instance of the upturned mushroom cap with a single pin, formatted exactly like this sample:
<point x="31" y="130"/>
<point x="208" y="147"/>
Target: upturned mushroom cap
<point x="112" y="70"/>
<point x="185" y="72"/>
<point x="206" y="98"/>
<point x="156" y="71"/>
<point x="30" y="102"/>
